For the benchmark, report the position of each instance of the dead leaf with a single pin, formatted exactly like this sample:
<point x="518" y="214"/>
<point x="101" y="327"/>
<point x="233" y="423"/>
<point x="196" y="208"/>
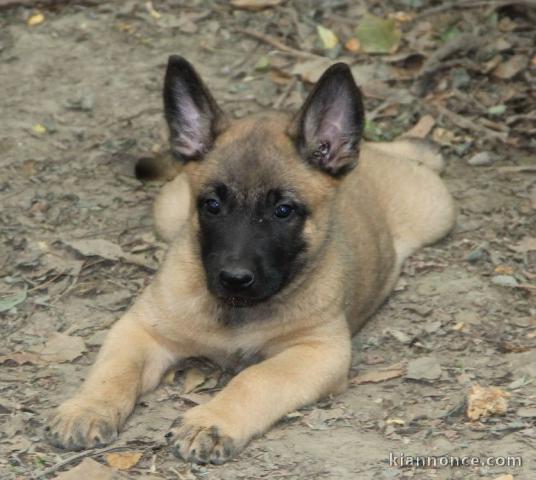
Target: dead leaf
<point x="327" y="37"/>
<point x="123" y="460"/>
<point x="20" y="358"/>
<point x="98" y="247"/>
<point x="504" y="477"/>
<point x="485" y="401"/>
<point x="422" y="128"/>
<point x="255" y="5"/>
<point x="89" y="469"/>
<point x="7" y="303"/>
<point x="377" y="35"/>
<point x="511" y="67"/>
<point x="311" y="70"/>
<point x="528" y="244"/>
<point x="193" y="379"/>
<point x="62" y="348"/>
<point x="387" y="373"/>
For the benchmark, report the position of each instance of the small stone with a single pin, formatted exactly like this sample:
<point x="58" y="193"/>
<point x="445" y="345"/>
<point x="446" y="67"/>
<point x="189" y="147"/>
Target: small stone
<point x="504" y="280"/>
<point x="424" y="368"/>
<point x="476" y="254"/>
<point x="481" y="159"/>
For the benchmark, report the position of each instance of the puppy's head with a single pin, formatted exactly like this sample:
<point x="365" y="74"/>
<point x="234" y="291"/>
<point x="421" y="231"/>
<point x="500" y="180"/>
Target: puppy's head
<point x="265" y="187"/>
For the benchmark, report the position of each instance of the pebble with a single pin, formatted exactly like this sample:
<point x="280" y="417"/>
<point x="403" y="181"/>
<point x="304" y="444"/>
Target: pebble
<point x="481" y="159"/>
<point x="504" y="280"/>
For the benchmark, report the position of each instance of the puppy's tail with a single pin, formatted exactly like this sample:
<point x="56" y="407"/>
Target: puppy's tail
<point x="160" y="167"/>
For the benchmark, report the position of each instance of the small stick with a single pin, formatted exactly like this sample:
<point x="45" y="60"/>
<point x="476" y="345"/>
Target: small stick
<point x="470" y="4"/>
<point x="467" y="124"/>
<point x="78" y="456"/>
<point x="285" y="93"/>
<point x="274" y="42"/>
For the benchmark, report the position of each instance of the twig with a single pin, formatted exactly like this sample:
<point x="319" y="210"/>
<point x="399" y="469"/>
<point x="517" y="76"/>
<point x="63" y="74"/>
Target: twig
<point x="465" y="41"/>
<point x="471" y="4"/>
<point x="274" y="42"/>
<point x="467" y="124"/>
<point x="78" y="456"/>
<point x="285" y="93"/>
<point x="47" y="3"/>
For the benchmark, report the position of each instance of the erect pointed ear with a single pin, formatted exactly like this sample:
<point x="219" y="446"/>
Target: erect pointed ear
<point x="328" y="128"/>
<point x="193" y="117"/>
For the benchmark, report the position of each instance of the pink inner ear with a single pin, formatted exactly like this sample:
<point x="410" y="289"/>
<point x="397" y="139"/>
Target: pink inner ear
<point x="327" y="126"/>
<point x="190" y="129"/>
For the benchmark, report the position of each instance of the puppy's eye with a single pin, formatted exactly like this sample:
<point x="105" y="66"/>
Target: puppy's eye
<point x="283" y="211"/>
<point x="212" y="206"/>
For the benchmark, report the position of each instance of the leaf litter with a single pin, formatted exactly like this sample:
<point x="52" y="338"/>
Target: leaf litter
<point x="460" y="76"/>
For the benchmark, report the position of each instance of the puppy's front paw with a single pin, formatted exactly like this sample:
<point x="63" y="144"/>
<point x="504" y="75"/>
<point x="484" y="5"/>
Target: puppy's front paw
<point x="202" y="437"/>
<point x="79" y="424"/>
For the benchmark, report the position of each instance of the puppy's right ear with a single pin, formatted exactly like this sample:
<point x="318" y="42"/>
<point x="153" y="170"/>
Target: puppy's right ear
<point x="193" y="117"/>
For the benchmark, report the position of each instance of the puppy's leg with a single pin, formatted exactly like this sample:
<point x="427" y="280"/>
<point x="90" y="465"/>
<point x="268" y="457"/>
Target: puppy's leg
<point x="260" y="395"/>
<point x="131" y="362"/>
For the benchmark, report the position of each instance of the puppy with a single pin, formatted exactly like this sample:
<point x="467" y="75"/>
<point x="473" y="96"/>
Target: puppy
<point x="286" y="233"/>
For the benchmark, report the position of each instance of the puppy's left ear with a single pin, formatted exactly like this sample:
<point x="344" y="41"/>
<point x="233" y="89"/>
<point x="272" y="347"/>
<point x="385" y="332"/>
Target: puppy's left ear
<point x="328" y="128"/>
<point x="193" y="116"/>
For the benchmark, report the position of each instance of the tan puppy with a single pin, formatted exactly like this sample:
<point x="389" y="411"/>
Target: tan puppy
<point x="283" y="241"/>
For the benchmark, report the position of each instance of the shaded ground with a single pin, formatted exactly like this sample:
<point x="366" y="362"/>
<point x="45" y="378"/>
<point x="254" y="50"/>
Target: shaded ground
<point x="80" y="101"/>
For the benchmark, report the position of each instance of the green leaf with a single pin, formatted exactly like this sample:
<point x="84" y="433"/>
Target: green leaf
<point x="8" y="303"/>
<point x="263" y="63"/>
<point x="450" y="33"/>
<point x="327" y="37"/>
<point x="497" y="109"/>
<point x="377" y="35"/>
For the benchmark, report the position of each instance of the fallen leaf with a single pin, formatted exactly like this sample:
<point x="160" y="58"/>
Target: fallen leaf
<point x="481" y="159"/>
<point x="311" y="70"/>
<point x="193" y="379"/>
<point x="89" y="469"/>
<point x="528" y="244"/>
<point x="263" y="64"/>
<point x="98" y="247"/>
<point x="377" y="35"/>
<point x="485" y="401"/>
<point x="422" y="128"/>
<point x="35" y="19"/>
<point x="62" y="348"/>
<point x="20" y="358"/>
<point x="504" y="477"/>
<point x="527" y="412"/>
<point x="255" y="5"/>
<point x="387" y="373"/>
<point x="7" y="303"/>
<point x="123" y="460"/>
<point x="152" y="11"/>
<point x="424" y="368"/>
<point x="327" y="37"/>
<point x="511" y="67"/>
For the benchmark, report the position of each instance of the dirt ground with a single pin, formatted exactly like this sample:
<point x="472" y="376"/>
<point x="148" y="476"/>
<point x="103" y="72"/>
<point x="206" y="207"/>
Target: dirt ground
<point x="80" y="102"/>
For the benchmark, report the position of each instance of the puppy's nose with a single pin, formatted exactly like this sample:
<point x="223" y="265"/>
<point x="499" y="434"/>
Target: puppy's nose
<point x="236" y="278"/>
